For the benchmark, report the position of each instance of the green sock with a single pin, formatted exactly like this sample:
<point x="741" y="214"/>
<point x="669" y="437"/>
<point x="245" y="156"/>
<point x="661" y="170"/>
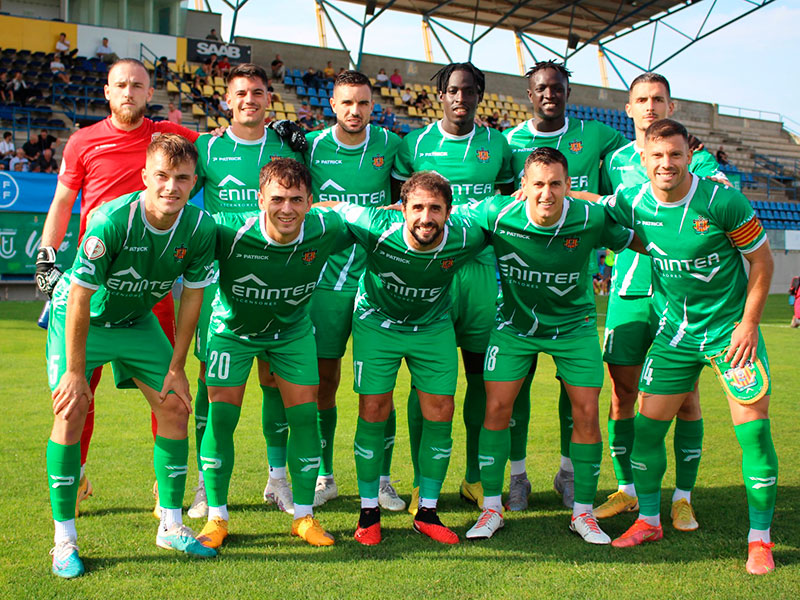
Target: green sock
<point x="367" y="449"/>
<point x="520" y="419"/>
<point x="493" y="453"/>
<point x="200" y="417"/>
<point x="620" y="442"/>
<point x="688" y="444"/>
<point x="217" y="452"/>
<point x="760" y="471"/>
<point x="435" y="448"/>
<point x="327" y="429"/>
<point x="63" y="476"/>
<point x="274" y="426"/>
<point x="414" y="431"/>
<point x="474" y="412"/>
<point x="304" y="451"/>
<point x="389" y="433"/>
<point x="586" y="459"/>
<point x="649" y="462"/>
<point x="170" y="458"/>
<point x="565" y="420"/>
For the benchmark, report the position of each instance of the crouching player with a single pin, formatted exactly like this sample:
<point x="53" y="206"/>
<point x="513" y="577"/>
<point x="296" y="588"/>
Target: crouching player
<point x="268" y="269"/>
<point x="134" y="250"/>
<point x="696" y="231"/>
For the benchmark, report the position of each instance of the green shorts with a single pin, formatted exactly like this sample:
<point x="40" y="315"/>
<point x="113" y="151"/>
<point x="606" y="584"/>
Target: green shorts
<point x="669" y="370"/>
<point x="430" y="354"/>
<point x="121" y="346"/>
<point x="474" y="293"/>
<point x="332" y="316"/>
<point x="201" y="333"/>
<point x="578" y="360"/>
<point x="628" y="332"/>
<point x="293" y="357"/>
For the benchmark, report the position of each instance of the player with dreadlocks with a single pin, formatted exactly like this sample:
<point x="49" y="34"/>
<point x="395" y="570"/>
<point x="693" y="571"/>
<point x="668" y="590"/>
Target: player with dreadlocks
<point x="474" y="160"/>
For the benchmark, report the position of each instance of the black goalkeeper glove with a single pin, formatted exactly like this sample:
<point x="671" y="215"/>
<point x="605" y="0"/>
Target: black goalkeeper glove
<point x="291" y="133"/>
<point x="47" y="274"/>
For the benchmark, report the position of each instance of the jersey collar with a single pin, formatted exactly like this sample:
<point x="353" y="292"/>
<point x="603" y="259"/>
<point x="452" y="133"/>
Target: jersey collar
<point x="262" y="225"/>
<point x="555" y="226"/>
<point x="687" y="198"/>
<point x="455" y="138"/>
<point x="238" y="140"/>
<point x="438" y="248"/>
<point x="538" y="133"/>
<point x="341" y="144"/>
<point x="147" y="224"/>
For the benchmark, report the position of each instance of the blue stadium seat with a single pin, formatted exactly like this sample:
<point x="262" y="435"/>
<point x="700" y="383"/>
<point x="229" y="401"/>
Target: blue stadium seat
<point x="288" y="80"/>
<point x="311" y="91"/>
<point x="314" y="101"/>
<point x="405" y="128"/>
<point x="301" y="91"/>
<point x="328" y="112"/>
<point x="296" y="73"/>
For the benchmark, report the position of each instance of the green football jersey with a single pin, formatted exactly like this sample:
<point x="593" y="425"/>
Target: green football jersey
<point x="228" y="170"/>
<point x="132" y="265"/>
<point x="544" y="271"/>
<point x="357" y="174"/>
<point x="623" y="169"/>
<point x="264" y="286"/>
<point x="585" y="144"/>
<point x="403" y="288"/>
<point x="699" y="280"/>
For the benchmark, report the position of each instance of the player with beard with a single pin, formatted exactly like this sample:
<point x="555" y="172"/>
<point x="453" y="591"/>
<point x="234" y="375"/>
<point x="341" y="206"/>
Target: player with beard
<point x="475" y="160"/>
<point x="351" y="162"/>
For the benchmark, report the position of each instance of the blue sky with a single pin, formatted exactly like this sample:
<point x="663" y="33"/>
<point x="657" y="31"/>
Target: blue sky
<point x="749" y="64"/>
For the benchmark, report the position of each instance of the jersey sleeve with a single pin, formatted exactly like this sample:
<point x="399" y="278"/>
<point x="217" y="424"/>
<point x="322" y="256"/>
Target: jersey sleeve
<point x="705" y="165"/>
<point x="506" y="174"/>
<point x="610" y="140"/>
<point x="403" y="167"/>
<point x="361" y="221"/>
<point x="735" y="215"/>
<point x="199" y="272"/>
<point x="615" y="236"/>
<point x="72" y="171"/>
<point x="619" y="208"/>
<point x="200" y="170"/>
<point x="101" y="244"/>
<point x="475" y="212"/>
<point x="170" y="127"/>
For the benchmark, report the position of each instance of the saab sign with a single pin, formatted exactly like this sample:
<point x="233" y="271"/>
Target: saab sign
<point x="200" y="50"/>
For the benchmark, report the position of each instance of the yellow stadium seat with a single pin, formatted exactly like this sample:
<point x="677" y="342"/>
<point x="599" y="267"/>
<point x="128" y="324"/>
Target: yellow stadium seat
<point x="172" y="88"/>
<point x="395" y="92"/>
<point x="440" y="114"/>
<point x="412" y="111"/>
<point x="221" y="90"/>
<point x="417" y="87"/>
<point x="510" y="99"/>
<point x="491" y="104"/>
<point x="428" y="88"/>
<point x="148" y="65"/>
<point x="280" y="115"/>
<point x="372" y="81"/>
<point x="385" y="93"/>
<point x="398" y="101"/>
<point x="514" y="106"/>
<point x="494" y="97"/>
<point x="291" y="116"/>
<point x="208" y="91"/>
<point x="211" y="123"/>
<point x="198" y="111"/>
<point x="223" y="122"/>
<point x="185" y="88"/>
<point x="173" y="66"/>
<point x="288" y="107"/>
<point x="278" y="107"/>
<point x="219" y="81"/>
<point x="430" y="113"/>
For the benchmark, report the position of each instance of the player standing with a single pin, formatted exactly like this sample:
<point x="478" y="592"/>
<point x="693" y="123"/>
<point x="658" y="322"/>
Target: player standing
<point x="350" y="162"/>
<point x="135" y="249"/>
<point x="709" y="308"/>
<point x="474" y="160"/>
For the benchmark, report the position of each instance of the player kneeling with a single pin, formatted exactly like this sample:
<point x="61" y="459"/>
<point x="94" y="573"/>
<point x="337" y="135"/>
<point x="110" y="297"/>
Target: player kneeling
<point x="134" y="250"/>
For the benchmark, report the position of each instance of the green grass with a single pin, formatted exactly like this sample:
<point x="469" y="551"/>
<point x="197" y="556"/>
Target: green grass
<point x="535" y="556"/>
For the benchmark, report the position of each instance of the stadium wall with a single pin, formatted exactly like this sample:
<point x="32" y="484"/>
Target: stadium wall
<point x="34" y="34"/>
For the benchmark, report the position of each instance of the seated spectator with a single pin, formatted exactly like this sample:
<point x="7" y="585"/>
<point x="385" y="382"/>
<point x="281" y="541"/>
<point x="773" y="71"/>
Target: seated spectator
<point x="7" y="149"/>
<point x="224" y="66"/>
<point x="269" y="118"/>
<point x="211" y="66"/>
<point x="422" y="101"/>
<point x="58" y="69"/>
<point x="45" y="140"/>
<point x="382" y="79"/>
<point x="105" y="53"/>
<point x="174" y="115"/>
<point x="304" y="110"/>
<point x="479" y="121"/>
<point x="388" y="119"/>
<point x="396" y="80"/>
<point x="31" y="148"/>
<point x="278" y="69"/>
<point x="65" y="48"/>
<point x="329" y="72"/>
<point x="407" y="97"/>
<point x="505" y="122"/>
<point x="341" y="70"/>
<point x="215" y="103"/>
<point x="6" y="96"/>
<point x="20" y="90"/>
<point x="212" y="35"/>
<point x="311" y="123"/>
<point x="20" y="162"/>
<point x="722" y="156"/>
<point x="162" y="70"/>
<point x="45" y="163"/>
<point x="200" y="76"/>
<point x="311" y="78"/>
<point x="493" y="120"/>
<point x="224" y="108"/>
<point x="272" y="95"/>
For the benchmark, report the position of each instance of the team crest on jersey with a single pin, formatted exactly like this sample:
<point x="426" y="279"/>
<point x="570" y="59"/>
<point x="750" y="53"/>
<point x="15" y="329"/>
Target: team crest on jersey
<point x="180" y="253"/>
<point x="309" y="256"/>
<point x="575" y="146"/>
<point x="94" y="247"/>
<point x="447" y="264"/>
<point x="377" y="161"/>
<point x="483" y="155"/>
<point x="571" y="243"/>
<point x="701" y="225"/>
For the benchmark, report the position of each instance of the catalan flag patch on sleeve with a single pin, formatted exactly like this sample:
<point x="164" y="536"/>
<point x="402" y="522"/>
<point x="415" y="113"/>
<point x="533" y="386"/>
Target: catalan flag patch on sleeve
<point x="748" y="233"/>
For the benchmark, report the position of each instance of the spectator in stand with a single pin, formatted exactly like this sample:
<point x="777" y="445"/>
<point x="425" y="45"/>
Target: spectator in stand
<point x="162" y="70"/>
<point x="396" y="80"/>
<point x="269" y="118"/>
<point x="311" y="123"/>
<point x="278" y="68"/>
<point x="422" y="101"/>
<point x="388" y="119"/>
<point x="304" y="110"/>
<point x="200" y="77"/>
<point x="7" y="149"/>
<point x="197" y="89"/>
<point x="311" y="78"/>
<point x="31" y="148"/>
<point x="224" y="66"/>
<point x="21" y="93"/>
<point x="46" y="141"/>
<point x="505" y="122"/>
<point x="493" y="120"/>
<point x="341" y="70"/>
<point x="479" y="121"/>
<point x="211" y="66"/>
<point x="722" y="156"/>
<point x="224" y="108"/>
<point x="215" y="104"/>
<point x="20" y="162"/>
<point x="6" y="97"/>
<point x="105" y="53"/>
<point x="407" y="97"/>
<point x="64" y="47"/>
<point x="329" y="72"/>
<point x="382" y="79"/>
<point x="174" y="115"/>
<point x="272" y="95"/>
<point x="58" y="68"/>
<point x="212" y="35"/>
<point x="45" y="163"/>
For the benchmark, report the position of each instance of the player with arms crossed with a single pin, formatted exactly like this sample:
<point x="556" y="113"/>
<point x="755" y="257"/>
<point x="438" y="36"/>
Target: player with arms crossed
<point x="544" y="245"/>
<point x="628" y="333"/>
<point x="351" y="162"/>
<point x="228" y="172"/>
<point x="135" y="249"/>
<point x="474" y="160"/>
<point x="696" y="232"/>
<point x="268" y="268"/>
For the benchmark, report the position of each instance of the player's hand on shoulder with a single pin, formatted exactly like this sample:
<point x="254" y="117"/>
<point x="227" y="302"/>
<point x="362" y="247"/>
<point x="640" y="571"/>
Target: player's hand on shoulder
<point x="47" y="274"/>
<point x="519" y="195"/>
<point x="71" y="390"/>
<point x="219" y="131"/>
<point x="291" y="133"/>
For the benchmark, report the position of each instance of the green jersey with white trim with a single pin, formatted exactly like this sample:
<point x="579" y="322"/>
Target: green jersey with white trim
<point x="403" y="288"/>
<point x="131" y="265"/>
<point x="358" y="174"/>
<point x="228" y="170"/>
<point x="585" y="144"/>
<point x="544" y="271"/>
<point x="265" y="286"/>
<point x="699" y="280"/>
<point x="632" y="271"/>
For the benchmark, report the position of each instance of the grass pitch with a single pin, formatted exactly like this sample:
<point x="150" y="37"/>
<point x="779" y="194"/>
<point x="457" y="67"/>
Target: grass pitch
<point x="535" y="556"/>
